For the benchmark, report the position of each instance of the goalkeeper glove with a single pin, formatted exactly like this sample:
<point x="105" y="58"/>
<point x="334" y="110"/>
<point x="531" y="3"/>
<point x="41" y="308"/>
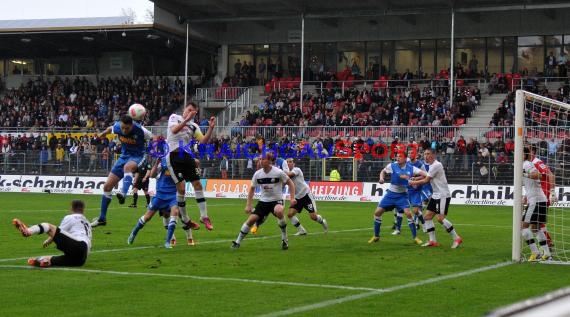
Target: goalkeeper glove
<point x="525" y="174"/>
<point x="553" y="198"/>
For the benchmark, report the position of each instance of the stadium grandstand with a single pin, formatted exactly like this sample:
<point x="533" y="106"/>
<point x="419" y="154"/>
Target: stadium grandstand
<point x="371" y="72"/>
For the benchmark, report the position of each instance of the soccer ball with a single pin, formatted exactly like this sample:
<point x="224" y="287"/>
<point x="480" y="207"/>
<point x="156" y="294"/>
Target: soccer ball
<point x="137" y="111"/>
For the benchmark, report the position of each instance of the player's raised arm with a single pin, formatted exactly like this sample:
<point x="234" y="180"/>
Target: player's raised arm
<point x="211" y="126"/>
<point x="105" y="132"/>
<point x="180" y="125"/>
<point x="147" y="134"/>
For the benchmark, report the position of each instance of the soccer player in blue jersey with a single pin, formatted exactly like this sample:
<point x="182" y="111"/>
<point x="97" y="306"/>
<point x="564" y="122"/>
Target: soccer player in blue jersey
<point x="133" y="139"/>
<point x="164" y="200"/>
<point x="418" y="194"/>
<point x="397" y="194"/>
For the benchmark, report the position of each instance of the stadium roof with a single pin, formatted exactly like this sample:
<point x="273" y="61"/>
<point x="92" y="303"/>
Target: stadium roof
<point x="88" y="37"/>
<point x="265" y="11"/>
<point x="12" y="25"/>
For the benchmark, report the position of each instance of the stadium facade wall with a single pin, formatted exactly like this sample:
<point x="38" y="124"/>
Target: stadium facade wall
<point x="494" y="195"/>
<point x="391" y="28"/>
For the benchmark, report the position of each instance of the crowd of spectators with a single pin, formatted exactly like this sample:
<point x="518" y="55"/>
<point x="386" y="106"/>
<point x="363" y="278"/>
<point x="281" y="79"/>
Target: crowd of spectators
<point x="79" y="103"/>
<point x="354" y="107"/>
<point x="74" y="153"/>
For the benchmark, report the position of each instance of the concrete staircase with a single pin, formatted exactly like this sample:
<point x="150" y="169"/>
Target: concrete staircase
<point x="257" y="97"/>
<point x="482" y="116"/>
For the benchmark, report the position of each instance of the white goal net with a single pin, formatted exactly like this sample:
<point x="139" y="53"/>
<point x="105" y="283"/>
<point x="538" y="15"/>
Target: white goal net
<point x="542" y="126"/>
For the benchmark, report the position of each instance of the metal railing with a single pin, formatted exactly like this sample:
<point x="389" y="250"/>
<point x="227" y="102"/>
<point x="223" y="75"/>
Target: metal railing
<point x="386" y="133"/>
<point x="232" y="100"/>
<point x="381" y="85"/>
<point x="42" y="163"/>
<point x="366" y="170"/>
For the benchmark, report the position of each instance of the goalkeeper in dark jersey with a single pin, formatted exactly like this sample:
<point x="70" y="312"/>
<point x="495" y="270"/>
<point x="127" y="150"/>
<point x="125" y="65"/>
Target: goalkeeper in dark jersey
<point x="141" y="181"/>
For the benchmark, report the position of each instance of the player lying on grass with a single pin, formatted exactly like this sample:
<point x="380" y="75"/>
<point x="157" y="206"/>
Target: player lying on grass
<point x="72" y="236"/>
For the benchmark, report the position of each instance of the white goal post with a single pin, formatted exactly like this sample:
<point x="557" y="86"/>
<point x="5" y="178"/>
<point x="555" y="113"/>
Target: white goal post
<point x="534" y="115"/>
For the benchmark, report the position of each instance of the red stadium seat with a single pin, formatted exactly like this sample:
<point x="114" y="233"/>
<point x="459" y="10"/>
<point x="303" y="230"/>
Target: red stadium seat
<point x="493" y="134"/>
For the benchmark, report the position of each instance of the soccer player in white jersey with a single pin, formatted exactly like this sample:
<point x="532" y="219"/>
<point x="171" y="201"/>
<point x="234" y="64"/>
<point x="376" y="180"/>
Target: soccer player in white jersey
<point x="535" y="212"/>
<point x="439" y="202"/>
<point x="547" y="182"/>
<point x="304" y="199"/>
<point x="271" y="180"/>
<point x="280" y="163"/>
<point x="72" y="236"/>
<point x="181" y="131"/>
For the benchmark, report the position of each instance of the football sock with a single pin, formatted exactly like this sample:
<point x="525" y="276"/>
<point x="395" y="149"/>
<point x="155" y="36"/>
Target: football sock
<point x="319" y="219"/>
<point x="541" y="237"/>
<point x="283" y="226"/>
<point x="412" y="226"/>
<point x="527" y="235"/>
<point x="127" y="182"/>
<point x="135" y="198"/>
<point x="243" y="232"/>
<point x="105" y="201"/>
<point x="140" y="224"/>
<point x="399" y="222"/>
<point x="182" y="208"/>
<point x="542" y="227"/>
<point x="171" y="227"/>
<point x="430" y="230"/>
<point x="377" y="224"/>
<point x="421" y="218"/>
<point x="449" y="227"/>
<point x="201" y="201"/>
<point x="188" y="233"/>
<point x="147" y="196"/>
<point x="295" y="222"/>
<point x="39" y="228"/>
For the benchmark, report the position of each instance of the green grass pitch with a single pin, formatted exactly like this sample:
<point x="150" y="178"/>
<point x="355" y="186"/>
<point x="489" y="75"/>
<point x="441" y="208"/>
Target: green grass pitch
<point x="334" y="274"/>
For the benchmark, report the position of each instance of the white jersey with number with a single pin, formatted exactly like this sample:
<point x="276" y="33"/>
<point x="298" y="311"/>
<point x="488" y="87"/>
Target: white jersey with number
<point x="77" y="227"/>
<point x="189" y="132"/>
<point x="271" y="183"/>
<point x="438" y="180"/>
<point x="301" y="188"/>
<point x="532" y="187"/>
